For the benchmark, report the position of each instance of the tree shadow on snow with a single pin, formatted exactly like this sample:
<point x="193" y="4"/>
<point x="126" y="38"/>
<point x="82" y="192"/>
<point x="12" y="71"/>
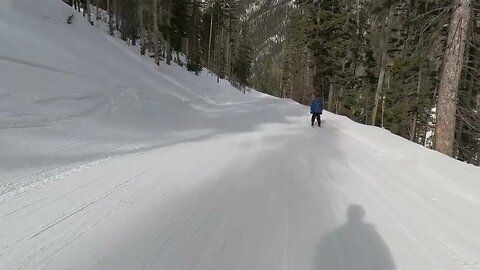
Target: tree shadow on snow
<point x="355" y="245"/>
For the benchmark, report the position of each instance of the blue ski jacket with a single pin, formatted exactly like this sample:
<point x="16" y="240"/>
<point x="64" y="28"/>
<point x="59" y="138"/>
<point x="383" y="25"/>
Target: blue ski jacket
<point x="317" y="106"/>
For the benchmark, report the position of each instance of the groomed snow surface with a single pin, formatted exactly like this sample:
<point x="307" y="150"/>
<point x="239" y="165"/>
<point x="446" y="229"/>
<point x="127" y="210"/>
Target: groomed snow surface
<point x="109" y="162"/>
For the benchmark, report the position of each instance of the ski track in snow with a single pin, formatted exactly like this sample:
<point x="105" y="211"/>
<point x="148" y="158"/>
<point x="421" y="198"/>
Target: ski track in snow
<point x="238" y="215"/>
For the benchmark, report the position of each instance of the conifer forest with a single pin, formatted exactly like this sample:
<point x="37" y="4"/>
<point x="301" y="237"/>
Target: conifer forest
<point x="409" y="66"/>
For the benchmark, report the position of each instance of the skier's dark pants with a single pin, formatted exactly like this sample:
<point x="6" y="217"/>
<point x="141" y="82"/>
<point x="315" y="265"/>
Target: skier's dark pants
<point x="317" y="116"/>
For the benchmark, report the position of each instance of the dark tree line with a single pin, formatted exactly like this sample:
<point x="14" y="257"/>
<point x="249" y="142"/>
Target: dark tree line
<point x="410" y="66"/>
<point x="209" y="33"/>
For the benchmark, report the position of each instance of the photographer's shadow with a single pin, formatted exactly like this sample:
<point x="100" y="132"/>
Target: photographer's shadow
<point x="355" y="245"/>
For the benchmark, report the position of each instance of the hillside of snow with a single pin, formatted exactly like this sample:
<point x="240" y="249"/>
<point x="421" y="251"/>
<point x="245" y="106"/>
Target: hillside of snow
<point x="110" y="162"/>
<point x="90" y="96"/>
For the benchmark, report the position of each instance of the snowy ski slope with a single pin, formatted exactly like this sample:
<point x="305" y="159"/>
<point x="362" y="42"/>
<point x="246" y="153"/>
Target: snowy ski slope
<point x="109" y="162"/>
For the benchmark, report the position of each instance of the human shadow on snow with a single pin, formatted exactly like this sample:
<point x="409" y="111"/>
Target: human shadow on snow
<point x="355" y="245"/>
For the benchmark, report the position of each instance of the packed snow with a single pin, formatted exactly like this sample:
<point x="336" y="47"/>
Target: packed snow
<point x="110" y="162"/>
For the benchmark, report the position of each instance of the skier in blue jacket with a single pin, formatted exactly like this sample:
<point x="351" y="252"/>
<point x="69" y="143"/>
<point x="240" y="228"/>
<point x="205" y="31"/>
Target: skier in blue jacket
<point x="316" y="109"/>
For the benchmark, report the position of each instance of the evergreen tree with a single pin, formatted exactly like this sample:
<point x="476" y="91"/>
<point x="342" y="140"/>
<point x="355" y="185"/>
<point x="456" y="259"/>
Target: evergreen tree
<point x="194" y="38"/>
<point x="179" y="24"/>
<point x="244" y="58"/>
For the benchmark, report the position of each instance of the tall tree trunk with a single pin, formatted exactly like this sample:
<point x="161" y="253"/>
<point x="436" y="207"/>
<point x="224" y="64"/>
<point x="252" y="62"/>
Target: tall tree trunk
<point x="89" y="11"/>
<point x="383" y="62"/>
<point x="193" y="52"/>
<point x="97" y="14"/>
<point x="141" y="24"/>
<point x="210" y="40"/>
<point x="330" y="97"/>
<point x="118" y="22"/>
<point x="382" y="120"/>
<point x="110" y="17"/>
<point x="116" y="16"/>
<point x="213" y="66"/>
<point x="156" y="32"/>
<point x="431" y="116"/>
<point x="228" y="46"/>
<point x="358" y="16"/>
<point x="291" y="90"/>
<point x="339" y="104"/>
<point x="221" y="58"/>
<point x="366" y="106"/>
<point x="383" y="102"/>
<point x="450" y="77"/>
<point x="413" y="127"/>
<point x="307" y="80"/>
<point x="169" y="31"/>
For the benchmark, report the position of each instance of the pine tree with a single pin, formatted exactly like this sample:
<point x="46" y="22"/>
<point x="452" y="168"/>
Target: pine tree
<point x="194" y="53"/>
<point x="296" y="58"/>
<point x="244" y="58"/>
<point x="179" y="25"/>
